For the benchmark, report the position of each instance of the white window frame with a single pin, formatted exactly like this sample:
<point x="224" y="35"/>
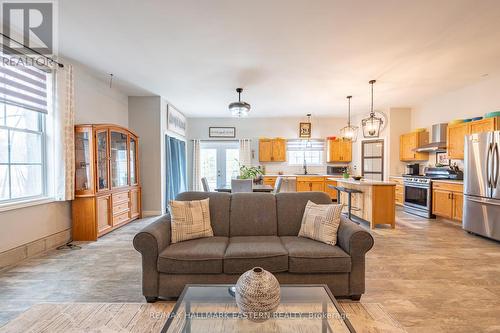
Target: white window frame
<point x="313" y="145"/>
<point x="19" y="202"/>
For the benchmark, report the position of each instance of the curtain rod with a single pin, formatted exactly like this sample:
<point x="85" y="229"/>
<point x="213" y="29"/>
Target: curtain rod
<point x="35" y="51"/>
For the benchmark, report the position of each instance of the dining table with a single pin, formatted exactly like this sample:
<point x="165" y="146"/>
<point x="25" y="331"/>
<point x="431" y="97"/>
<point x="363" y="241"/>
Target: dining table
<point x="256" y="188"/>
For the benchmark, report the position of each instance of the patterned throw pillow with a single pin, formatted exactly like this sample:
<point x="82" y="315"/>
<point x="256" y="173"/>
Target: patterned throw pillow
<point x="190" y="220"/>
<point x="321" y="222"/>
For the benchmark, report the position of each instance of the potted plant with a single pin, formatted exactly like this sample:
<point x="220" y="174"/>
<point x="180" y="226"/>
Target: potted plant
<point x="250" y="172"/>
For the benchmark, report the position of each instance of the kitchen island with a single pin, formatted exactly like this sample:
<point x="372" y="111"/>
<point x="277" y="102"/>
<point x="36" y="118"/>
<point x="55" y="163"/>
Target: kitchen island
<point x="376" y="203"/>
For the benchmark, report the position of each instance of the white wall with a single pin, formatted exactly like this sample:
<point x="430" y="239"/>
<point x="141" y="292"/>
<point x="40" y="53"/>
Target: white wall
<point x="145" y="120"/>
<point x="95" y="103"/>
<point x="254" y="128"/>
<point x="473" y="100"/>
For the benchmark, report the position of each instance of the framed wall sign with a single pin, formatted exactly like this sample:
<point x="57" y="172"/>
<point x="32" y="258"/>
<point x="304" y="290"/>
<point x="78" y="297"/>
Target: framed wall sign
<point x="305" y="130"/>
<point x="176" y="122"/>
<point x="222" y="132"/>
<point x="442" y="158"/>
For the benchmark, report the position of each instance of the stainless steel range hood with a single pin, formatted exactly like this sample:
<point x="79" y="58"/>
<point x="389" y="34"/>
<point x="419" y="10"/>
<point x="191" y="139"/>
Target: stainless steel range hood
<point x="438" y="140"/>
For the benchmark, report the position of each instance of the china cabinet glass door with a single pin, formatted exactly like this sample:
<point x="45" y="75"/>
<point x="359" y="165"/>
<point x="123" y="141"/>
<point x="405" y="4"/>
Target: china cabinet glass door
<point x="83" y="161"/>
<point x="119" y="159"/>
<point x="133" y="158"/>
<point x="102" y="160"/>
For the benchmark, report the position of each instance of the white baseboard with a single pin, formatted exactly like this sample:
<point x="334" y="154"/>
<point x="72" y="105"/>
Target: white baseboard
<point x="17" y="254"/>
<point x="147" y="213"/>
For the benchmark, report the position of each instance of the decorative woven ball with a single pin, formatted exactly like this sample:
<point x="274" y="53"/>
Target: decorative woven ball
<point x="257" y="294"/>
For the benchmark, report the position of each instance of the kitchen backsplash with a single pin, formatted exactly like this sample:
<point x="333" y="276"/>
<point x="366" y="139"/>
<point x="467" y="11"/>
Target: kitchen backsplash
<point x="285" y="169"/>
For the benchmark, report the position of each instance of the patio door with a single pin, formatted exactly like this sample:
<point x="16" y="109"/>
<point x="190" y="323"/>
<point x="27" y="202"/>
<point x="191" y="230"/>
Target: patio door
<point x="219" y="162"/>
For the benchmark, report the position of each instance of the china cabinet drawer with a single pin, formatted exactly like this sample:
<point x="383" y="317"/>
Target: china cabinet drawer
<point x="117" y="219"/>
<point x="120" y="208"/>
<point x="120" y="197"/>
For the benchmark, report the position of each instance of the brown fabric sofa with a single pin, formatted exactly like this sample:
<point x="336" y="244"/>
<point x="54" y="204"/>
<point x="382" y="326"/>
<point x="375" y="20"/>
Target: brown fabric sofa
<point x="253" y="229"/>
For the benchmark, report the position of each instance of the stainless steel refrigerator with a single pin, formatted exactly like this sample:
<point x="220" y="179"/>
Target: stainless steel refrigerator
<point x="482" y="184"/>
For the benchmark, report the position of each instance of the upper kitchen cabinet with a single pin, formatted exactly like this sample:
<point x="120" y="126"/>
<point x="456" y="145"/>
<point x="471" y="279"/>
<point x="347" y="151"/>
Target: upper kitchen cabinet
<point x="456" y="139"/>
<point x="272" y="150"/>
<point x="409" y="142"/>
<point x="484" y="125"/>
<point x="339" y="151"/>
<point x="457" y="133"/>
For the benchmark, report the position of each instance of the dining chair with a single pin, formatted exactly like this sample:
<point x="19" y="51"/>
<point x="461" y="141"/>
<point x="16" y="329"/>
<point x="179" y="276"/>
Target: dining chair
<point x="241" y="185"/>
<point x="277" y="185"/>
<point x="204" y="182"/>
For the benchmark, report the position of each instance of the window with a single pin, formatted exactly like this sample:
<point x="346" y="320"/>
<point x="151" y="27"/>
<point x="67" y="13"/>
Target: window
<point x="310" y="151"/>
<point x="23" y="108"/>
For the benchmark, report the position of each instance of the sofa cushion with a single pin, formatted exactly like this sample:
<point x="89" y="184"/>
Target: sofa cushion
<point x="245" y="253"/>
<point x="321" y="222"/>
<point x="196" y="256"/>
<point x="219" y="209"/>
<point x="253" y="214"/>
<point x="309" y="256"/>
<point x="290" y="208"/>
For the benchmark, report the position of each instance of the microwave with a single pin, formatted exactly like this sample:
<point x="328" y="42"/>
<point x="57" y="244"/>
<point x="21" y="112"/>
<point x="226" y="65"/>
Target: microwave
<point x="335" y="170"/>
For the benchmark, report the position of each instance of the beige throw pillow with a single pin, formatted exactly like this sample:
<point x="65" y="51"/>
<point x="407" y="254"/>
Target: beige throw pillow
<point x="190" y="220"/>
<point x="321" y="222"/>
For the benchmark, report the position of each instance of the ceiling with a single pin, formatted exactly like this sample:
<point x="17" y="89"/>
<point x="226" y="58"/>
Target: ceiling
<point x="291" y="57"/>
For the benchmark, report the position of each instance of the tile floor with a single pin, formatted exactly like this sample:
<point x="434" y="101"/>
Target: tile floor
<point x="430" y="275"/>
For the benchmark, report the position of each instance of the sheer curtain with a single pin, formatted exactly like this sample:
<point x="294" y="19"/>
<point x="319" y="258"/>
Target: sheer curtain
<point x="196" y="166"/>
<point x="176" y="167"/>
<point x="64" y="144"/>
<point x="245" y="152"/>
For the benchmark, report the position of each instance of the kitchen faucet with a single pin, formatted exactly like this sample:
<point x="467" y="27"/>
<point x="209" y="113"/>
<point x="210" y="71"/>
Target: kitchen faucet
<point x="305" y="167"/>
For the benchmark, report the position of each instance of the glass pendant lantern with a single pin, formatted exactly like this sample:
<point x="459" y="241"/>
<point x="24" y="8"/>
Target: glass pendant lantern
<point x="372" y="124"/>
<point x="239" y="109"/>
<point x="349" y="132"/>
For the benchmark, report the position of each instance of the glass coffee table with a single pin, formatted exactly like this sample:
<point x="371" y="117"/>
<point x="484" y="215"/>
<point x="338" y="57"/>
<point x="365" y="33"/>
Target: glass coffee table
<point x="212" y="308"/>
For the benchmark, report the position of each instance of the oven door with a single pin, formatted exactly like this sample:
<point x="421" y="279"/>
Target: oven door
<point x="418" y="196"/>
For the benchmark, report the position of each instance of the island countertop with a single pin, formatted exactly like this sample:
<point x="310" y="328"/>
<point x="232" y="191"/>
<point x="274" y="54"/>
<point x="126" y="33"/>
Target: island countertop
<point x="363" y="182"/>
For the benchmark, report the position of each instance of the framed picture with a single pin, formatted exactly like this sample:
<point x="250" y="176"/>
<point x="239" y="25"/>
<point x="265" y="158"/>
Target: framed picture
<point x="442" y="158"/>
<point x="222" y="132"/>
<point x="176" y="122"/>
<point x="305" y="130"/>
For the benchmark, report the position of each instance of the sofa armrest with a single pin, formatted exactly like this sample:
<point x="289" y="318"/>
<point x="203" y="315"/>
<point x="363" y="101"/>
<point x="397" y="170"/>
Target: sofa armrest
<point x="353" y="239"/>
<point x="150" y="242"/>
<point x="154" y="238"/>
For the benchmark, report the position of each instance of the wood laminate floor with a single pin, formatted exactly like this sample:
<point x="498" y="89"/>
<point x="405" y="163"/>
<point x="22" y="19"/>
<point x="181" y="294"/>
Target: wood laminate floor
<point x="429" y="275"/>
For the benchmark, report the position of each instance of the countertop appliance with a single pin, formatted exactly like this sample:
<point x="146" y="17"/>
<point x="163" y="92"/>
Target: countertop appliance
<point x="482" y="185"/>
<point x="413" y="169"/>
<point x="335" y="170"/>
<point x="418" y="190"/>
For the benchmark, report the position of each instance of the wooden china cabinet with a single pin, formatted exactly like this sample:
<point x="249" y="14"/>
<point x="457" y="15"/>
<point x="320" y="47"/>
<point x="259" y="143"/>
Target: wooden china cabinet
<point x="107" y="187"/>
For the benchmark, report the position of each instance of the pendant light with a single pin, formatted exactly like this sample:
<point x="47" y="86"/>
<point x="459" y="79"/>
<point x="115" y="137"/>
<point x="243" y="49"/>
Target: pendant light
<point x="239" y="109"/>
<point x="372" y="124"/>
<point x="349" y="132"/>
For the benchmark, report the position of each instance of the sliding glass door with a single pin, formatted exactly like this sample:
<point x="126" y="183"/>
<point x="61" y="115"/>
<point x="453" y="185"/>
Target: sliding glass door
<point x="219" y="162"/>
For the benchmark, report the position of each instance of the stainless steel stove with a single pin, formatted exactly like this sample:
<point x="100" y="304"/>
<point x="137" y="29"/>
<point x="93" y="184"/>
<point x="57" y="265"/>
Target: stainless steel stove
<point x="418" y="196"/>
<point x="418" y="190"/>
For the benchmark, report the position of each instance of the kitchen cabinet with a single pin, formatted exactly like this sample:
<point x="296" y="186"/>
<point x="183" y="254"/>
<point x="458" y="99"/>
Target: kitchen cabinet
<point x="107" y="187"/>
<point x="399" y="190"/>
<point x="269" y="180"/>
<point x="331" y="192"/>
<point x="339" y="151"/>
<point x="409" y="142"/>
<point x="310" y="184"/>
<point x="447" y="200"/>
<point x="272" y="150"/>
<point x="484" y="125"/>
<point x="456" y="134"/>
<point x="456" y="139"/>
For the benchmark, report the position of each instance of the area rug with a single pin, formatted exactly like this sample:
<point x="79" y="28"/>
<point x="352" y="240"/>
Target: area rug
<point x="142" y="317"/>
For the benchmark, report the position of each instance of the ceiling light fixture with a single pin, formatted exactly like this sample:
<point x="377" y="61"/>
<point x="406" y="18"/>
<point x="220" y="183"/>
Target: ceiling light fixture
<point x="371" y="125"/>
<point x="239" y="109"/>
<point x="349" y="132"/>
